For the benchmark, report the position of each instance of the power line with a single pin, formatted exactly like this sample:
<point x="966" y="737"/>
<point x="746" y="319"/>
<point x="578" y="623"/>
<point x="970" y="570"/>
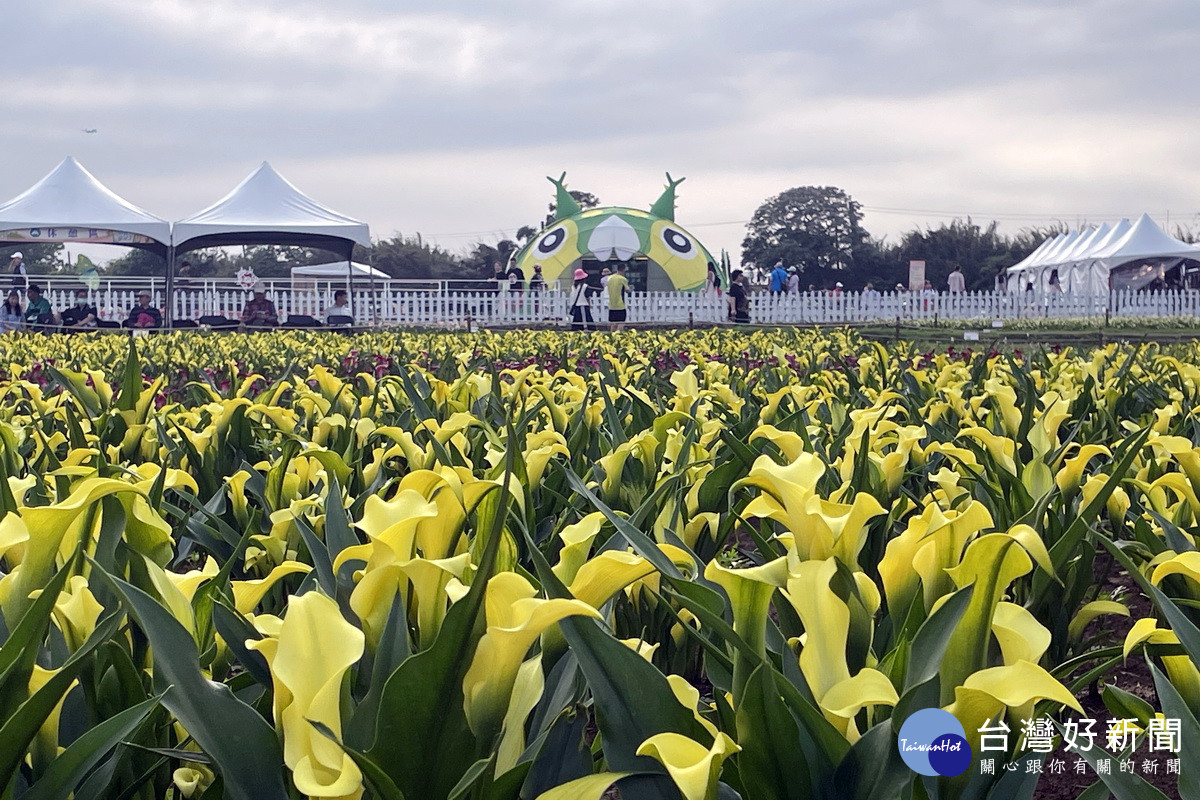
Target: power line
<point x="912" y="212"/>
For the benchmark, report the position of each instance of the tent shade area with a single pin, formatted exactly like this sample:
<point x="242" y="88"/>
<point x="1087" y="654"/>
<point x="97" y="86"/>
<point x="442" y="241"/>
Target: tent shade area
<point x="337" y="271"/>
<point x="266" y="209"/>
<point x="71" y="205"/>
<point x="1096" y="259"/>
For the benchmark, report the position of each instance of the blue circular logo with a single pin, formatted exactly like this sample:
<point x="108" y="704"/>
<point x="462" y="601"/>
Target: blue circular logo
<point x="933" y="742"/>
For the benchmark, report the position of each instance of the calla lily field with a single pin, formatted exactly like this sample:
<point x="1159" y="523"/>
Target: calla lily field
<point x="541" y="565"/>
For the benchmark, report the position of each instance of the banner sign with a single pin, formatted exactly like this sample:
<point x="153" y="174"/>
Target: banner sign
<point x="916" y="276"/>
<point x="93" y="235"/>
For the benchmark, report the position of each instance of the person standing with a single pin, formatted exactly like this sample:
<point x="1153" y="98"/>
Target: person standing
<point x="516" y="280"/>
<point x="618" y="290"/>
<point x="956" y="282"/>
<point x="778" y="278"/>
<point x="739" y="298"/>
<point x="712" y="281"/>
<point x="793" y="282"/>
<point x="581" y="307"/>
<point x="16" y="267"/>
<point x="605" y="274"/>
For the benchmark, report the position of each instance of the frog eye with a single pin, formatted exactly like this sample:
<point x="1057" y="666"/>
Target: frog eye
<point x="551" y="241"/>
<point x="678" y="242"/>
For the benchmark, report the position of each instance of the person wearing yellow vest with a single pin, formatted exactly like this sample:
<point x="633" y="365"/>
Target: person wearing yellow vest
<point x="618" y="287"/>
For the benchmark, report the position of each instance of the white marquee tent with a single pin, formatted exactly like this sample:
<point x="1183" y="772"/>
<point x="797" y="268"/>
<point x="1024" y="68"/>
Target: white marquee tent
<point x="1085" y="261"/>
<point x="70" y="205"/>
<point x="266" y="209"/>
<point x="336" y="271"/>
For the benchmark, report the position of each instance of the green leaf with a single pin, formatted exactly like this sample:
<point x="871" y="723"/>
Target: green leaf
<point x="771" y="763"/>
<point x="473" y="774"/>
<point x="67" y="771"/>
<point x="21" y="727"/>
<point x="1124" y="705"/>
<point x="421" y="734"/>
<point x="243" y="746"/>
<point x="642" y="544"/>
<point x="20" y="650"/>
<point x="632" y="699"/>
<point x="873" y="767"/>
<point x="374" y="776"/>
<point x="1174" y="707"/>
<point x="131" y="379"/>
<point x="929" y="645"/>
<point x="1123" y="785"/>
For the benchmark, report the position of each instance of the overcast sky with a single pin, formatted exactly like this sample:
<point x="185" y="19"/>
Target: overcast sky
<point x="445" y="118"/>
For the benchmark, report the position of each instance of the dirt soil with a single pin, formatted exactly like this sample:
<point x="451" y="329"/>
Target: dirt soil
<point x="1133" y="676"/>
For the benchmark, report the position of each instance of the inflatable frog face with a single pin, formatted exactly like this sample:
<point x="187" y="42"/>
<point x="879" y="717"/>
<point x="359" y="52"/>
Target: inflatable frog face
<point x="673" y="259"/>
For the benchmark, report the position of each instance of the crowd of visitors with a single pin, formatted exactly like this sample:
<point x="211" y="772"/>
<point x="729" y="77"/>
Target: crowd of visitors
<point x="34" y="312"/>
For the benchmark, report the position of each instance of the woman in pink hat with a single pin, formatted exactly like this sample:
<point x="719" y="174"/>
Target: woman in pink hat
<point x="581" y="309"/>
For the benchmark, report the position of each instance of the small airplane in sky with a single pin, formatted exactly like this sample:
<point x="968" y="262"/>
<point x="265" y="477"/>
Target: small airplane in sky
<point x="89" y="130"/>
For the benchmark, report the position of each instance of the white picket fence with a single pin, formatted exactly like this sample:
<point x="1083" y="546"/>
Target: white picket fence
<point x="459" y="308"/>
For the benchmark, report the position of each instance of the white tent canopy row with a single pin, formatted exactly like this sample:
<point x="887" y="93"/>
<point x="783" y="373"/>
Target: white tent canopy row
<point x="70" y="204"/>
<point x="1084" y="261"/>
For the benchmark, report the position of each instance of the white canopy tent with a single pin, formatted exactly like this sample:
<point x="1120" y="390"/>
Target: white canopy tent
<point x="336" y="271"/>
<point x="267" y="209"/>
<point x="70" y="205"/>
<point x="1085" y="261"/>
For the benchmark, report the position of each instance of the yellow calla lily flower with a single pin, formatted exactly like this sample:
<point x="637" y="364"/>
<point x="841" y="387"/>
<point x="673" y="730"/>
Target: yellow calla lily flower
<point x="693" y="767"/>
<point x="309" y="655"/>
<point x="516" y="618"/>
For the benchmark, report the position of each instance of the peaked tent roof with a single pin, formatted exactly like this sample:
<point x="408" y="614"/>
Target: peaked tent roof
<point x="266" y="209"/>
<point x="1115" y="234"/>
<point x="1144" y="240"/>
<point x="1033" y="257"/>
<point x="71" y="197"/>
<point x="336" y="271"/>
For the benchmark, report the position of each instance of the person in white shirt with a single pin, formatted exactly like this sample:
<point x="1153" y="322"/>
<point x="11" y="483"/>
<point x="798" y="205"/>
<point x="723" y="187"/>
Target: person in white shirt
<point x="339" y="307"/>
<point x="793" y="281"/>
<point x="604" y="276"/>
<point x="956" y="282"/>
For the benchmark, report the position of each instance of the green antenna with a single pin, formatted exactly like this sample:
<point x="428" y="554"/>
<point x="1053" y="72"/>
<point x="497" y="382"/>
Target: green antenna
<point x="665" y="206"/>
<point x="564" y="205"/>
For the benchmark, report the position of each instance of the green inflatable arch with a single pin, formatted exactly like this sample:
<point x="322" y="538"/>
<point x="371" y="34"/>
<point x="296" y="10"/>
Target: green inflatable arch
<point x="660" y="254"/>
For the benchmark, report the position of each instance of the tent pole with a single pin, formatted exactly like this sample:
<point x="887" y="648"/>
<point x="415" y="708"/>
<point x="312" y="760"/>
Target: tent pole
<point x="169" y="317"/>
<point x="350" y="282"/>
<point x="374" y="297"/>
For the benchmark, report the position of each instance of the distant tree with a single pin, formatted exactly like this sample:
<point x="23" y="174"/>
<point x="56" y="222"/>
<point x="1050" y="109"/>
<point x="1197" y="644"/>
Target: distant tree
<point x="137" y="261"/>
<point x="877" y="262"/>
<point x="818" y="228"/>
<point x="413" y="257"/>
<point x="479" y="261"/>
<point x="981" y="251"/>
<point x="586" y="200"/>
<point x="40" y="258"/>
